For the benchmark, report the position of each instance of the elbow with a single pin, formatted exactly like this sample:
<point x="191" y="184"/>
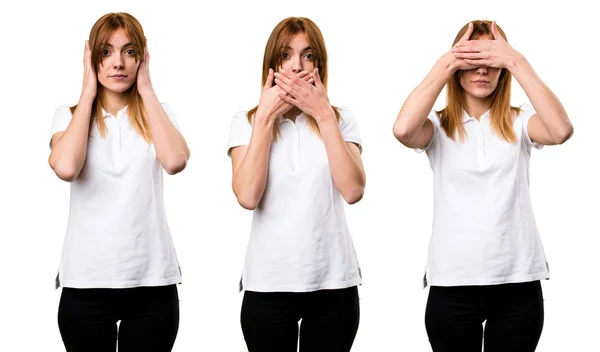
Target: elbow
<point x="564" y="134"/>
<point x="402" y="132"/>
<point x="354" y="196"/>
<point x="249" y="203"/>
<point x="66" y="173"/>
<point x="176" y="164"/>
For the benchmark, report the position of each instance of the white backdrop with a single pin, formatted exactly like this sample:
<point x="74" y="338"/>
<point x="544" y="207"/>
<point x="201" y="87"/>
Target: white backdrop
<point x="206" y="62"/>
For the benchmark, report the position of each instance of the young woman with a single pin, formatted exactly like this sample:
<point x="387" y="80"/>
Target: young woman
<point x="118" y="261"/>
<point x="485" y="255"/>
<point x="295" y="159"/>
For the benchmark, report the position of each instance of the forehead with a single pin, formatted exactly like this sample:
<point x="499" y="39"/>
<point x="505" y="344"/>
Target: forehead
<point x="299" y="41"/>
<point x="483" y="37"/>
<point x="119" y="38"/>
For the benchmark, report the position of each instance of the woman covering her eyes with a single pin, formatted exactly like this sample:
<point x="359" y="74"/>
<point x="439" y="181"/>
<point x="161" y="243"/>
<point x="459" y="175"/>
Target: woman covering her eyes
<point x="486" y="259"/>
<point x="295" y="159"/>
<point x="118" y="260"/>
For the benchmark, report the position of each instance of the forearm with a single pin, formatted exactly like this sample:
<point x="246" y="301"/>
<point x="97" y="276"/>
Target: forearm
<point x="419" y="103"/>
<point x="547" y="106"/>
<point x="250" y="178"/>
<point x="346" y="170"/>
<point x="69" y="151"/>
<point x="171" y="149"/>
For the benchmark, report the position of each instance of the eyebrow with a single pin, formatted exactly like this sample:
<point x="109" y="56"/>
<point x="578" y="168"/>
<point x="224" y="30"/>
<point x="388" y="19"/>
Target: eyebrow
<point x="111" y="46"/>
<point x="303" y="50"/>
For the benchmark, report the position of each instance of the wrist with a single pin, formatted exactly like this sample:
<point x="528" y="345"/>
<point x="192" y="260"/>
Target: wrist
<point x="146" y="92"/>
<point x="516" y="62"/>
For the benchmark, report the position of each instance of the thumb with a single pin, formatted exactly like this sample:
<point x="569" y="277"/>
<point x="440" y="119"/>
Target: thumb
<point x="468" y="33"/>
<point x="269" y="82"/>
<point x="317" y="78"/>
<point x="495" y="32"/>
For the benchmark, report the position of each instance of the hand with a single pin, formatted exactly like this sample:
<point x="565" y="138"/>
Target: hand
<point x="144" y="83"/>
<point x="495" y="53"/>
<point x="459" y="63"/>
<point x="310" y="98"/>
<point x="90" y="81"/>
<point x="271" y="106"/>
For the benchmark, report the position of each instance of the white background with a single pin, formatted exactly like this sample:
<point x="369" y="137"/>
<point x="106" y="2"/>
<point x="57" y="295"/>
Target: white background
<point x="206" y="63"/>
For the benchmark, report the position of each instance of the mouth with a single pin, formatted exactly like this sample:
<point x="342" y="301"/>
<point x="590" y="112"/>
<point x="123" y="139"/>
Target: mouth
<point x="118" y="76"/>
<point x="481" y="82"/>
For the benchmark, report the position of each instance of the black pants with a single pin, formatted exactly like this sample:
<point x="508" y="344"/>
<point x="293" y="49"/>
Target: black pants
<point x="87" y="319"/>
<point x="514" y="315"/>
<point x="329" y="320"/>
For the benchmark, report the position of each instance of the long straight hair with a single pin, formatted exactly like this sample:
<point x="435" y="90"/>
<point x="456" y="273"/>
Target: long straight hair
<point x="281" y="37"/>
<point x="501" y="113"/>
<point x="100" y="36"/>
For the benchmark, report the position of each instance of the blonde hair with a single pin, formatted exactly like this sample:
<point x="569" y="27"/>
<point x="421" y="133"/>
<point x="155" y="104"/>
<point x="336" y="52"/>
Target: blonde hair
<point x="100" y="36"/>
<point x="281" y="37"/>
<point x="501" y="113"/>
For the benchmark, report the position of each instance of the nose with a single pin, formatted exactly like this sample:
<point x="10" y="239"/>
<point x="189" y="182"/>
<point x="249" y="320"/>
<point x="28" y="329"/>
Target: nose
<point x="482" y="70"/>
<point x="118" y="63"/>
<point x="296" y="64"/>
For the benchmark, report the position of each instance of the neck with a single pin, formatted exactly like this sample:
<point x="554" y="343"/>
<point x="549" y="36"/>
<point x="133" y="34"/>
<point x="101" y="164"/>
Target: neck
<point x="292" y="113"/>
<point x="476" y="107"/>
<point x="114" y="102"/>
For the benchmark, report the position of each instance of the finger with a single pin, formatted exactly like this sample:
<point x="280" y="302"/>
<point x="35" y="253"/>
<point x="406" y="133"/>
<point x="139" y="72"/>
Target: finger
<point x="283" y="77"/>
<point x="468" y="33"/>
<point x="471" y="56"/>
<point x="302" y="74"/>
<point x="495" y="32"/>
<point x="478" y="62"/>
<point x="286" y="88"/>
<point x="317" y="78"/>
<point x="269" y="82"/>
<point x="288" y="99"/>
<point x="467" y="47"/>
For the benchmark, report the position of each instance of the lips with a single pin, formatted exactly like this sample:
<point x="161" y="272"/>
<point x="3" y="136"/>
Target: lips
<point x="481" y="82"/>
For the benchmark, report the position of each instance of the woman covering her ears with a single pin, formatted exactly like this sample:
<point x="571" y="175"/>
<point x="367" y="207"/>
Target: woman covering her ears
<point x="295" y="160"/>
<point x="118" y="261"/>
<point x="485" y="259"/>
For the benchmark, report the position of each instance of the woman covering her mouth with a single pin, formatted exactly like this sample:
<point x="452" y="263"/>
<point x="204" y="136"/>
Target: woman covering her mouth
<point x="485" y="259"/>
<point x="295" y="160"/>
<point x="118" y="260"/>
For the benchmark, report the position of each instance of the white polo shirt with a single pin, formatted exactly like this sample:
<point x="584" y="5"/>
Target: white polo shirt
<point x="117" y="234"/>
<point x="299" y="240"/>
<point x="484" y="231"/>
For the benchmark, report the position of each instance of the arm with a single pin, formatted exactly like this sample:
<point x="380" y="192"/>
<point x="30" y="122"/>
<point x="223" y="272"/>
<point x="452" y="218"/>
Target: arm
<point x="550" y="125"/>
<point x="69" y="147"/>
<point x="250" y="163"/>
<point x="344" y="158"/>
<point x="171" y="149"/>
<point x="412" y="128"/>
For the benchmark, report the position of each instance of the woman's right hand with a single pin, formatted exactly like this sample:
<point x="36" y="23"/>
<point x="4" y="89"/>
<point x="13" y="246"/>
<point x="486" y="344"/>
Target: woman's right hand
<point x="90" y="82"/>
<point x="271" y="106"/>
<point x="460" y="64"/>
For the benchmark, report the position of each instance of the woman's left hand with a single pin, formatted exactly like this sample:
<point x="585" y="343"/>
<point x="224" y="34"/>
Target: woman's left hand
<point x="495" y="53"/>
<point x="311" y="99"/>
<point x="143" y="77"/>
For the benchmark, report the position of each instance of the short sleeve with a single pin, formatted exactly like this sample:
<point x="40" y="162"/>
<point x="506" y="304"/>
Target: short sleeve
<point x="527" y="112"/>
<point x="433" y="117"/>
<point x="349" y="127"/>
<point x="170" y="115"/>
<point x="60" y="121"/>
<point x="240" y="131"/>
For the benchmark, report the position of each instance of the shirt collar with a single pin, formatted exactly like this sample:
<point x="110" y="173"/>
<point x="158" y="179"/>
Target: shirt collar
<point x="106" y="114"/>
<point x="282" y="118"/>
<point x="466" y="118"/>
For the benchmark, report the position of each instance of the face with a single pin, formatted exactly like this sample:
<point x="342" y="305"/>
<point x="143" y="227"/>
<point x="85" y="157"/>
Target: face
<point x="480" y="82"/>
<point x="298" y="56"/>
<point x="118" y="69"/>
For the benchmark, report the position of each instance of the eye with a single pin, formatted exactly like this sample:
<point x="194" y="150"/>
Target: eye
<point x="105" y="52"/>
<point x="130" y="52"/>
<point x="309" y="56"/>
<point x="285" y="55"/>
